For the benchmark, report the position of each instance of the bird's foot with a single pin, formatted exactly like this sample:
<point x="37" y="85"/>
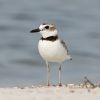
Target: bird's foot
<point x="60" y="84"/>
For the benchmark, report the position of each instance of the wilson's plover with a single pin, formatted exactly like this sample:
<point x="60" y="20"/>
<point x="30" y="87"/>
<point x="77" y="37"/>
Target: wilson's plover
<point x="51" y="48"/>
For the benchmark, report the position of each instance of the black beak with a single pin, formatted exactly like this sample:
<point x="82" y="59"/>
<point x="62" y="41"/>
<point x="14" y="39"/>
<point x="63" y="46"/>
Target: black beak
<point x="35" y="30"/>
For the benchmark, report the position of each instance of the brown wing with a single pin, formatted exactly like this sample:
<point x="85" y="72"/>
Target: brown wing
<point x="64" y="45"/>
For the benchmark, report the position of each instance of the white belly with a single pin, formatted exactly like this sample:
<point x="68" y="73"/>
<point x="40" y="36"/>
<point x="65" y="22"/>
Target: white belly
<point x="52" y="51"/>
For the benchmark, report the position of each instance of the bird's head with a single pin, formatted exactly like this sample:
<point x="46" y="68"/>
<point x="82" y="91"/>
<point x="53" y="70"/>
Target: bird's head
<point x="46" y="30"/>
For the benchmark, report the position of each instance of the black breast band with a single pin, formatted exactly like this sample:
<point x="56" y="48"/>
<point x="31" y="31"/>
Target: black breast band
<point x="50" y="38"/>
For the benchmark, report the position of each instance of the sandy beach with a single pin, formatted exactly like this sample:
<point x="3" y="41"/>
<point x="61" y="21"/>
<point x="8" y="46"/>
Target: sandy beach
<point x="69" y="92"/>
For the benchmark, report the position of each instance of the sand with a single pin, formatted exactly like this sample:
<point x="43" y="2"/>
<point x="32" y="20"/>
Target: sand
<point x="70" y="92"/>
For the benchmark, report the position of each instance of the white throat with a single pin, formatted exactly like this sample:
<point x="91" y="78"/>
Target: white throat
<point x="46" y="34"/>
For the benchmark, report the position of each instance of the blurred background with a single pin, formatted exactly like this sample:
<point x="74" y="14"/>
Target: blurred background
<point x="78" y="22"/>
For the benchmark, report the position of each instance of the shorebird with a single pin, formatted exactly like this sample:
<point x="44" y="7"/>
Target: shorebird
<point x="51" y="48"/>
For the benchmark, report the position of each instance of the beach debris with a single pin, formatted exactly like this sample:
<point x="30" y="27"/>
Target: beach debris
<point x="88" y="84"/>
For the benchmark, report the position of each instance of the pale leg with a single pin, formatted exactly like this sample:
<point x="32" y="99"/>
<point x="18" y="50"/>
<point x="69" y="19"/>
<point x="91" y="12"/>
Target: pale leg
<point x="48" y="73"/>
<point x="60" y="84"/>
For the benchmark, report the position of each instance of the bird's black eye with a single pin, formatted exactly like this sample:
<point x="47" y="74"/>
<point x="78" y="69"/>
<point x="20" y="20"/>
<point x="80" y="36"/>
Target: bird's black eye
<point x="47" y="27"/>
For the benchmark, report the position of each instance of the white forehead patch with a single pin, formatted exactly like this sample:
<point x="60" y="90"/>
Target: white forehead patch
<point x="43" y="25"/>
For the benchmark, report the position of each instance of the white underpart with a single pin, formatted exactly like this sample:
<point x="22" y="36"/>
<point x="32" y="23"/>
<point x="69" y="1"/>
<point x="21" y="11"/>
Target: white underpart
<point x="52" y="51"/>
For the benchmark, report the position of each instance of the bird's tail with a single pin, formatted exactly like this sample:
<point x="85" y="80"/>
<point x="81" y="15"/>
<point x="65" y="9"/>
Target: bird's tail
<point x="69" y="57"/>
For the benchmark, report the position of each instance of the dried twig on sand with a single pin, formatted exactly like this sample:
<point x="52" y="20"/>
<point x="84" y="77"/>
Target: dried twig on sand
<point x="88" y="83"/>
